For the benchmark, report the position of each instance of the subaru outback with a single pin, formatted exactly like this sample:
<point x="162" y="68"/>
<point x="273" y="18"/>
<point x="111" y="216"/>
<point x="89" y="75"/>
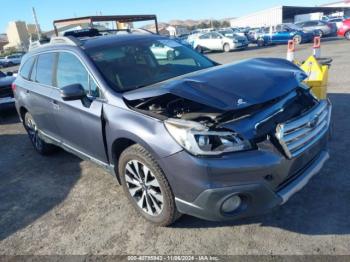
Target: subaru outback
<point x="181" y="133"/>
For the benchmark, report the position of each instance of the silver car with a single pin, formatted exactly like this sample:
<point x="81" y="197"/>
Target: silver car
<point x="215" y="41"/>
<point x="321" y="28"/>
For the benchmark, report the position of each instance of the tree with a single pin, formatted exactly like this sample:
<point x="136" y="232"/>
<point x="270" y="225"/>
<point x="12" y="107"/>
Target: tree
<point x="225" y="23"/>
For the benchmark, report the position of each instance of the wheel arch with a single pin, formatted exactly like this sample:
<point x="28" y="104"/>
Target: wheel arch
<point x="22" y="112"/>
<point x="120" y="144"/>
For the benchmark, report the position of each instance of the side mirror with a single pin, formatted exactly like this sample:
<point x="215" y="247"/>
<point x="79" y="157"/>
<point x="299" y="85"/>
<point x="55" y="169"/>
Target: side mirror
<point x="9" y="74"/>
<point x="73" y="92"/>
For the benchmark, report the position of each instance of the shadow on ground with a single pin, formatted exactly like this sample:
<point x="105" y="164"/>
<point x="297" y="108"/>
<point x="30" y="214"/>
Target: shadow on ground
<point x="30" y="184"/>
<point x="8" y="116"/>
<point x="322" y="207"/>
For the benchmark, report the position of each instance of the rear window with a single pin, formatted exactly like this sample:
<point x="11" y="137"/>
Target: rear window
<point x="26" y="68"/>
<point x="44" y="68"/>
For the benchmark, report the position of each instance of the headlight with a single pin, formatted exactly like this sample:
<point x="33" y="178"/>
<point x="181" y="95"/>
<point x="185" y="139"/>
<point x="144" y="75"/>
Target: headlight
<point x="198" y="140"/>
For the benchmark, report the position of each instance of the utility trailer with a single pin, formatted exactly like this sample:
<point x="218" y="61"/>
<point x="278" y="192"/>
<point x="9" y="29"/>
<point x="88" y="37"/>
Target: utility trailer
<point x="90" y="20"/>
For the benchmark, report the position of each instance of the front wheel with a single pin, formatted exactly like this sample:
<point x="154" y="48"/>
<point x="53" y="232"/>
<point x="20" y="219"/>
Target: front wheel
<point x="39" y="144"/>
<point x="297" y="39"/>
<point x="260" y="42"/>
<point x="146" y="186"/>
<point x="319" y="33"/>
<point x="226" y="48"/>
<point x="199" y="49"/>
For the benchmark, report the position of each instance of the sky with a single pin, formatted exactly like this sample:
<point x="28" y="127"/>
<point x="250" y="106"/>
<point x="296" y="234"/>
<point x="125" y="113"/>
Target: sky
<point x="49" y="10"/>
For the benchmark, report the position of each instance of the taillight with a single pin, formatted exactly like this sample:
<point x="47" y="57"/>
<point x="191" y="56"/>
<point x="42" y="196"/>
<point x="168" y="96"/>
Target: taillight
<point x="13" y="86"/>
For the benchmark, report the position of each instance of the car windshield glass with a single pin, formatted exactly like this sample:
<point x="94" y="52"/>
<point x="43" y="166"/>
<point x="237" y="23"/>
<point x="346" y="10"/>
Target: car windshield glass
<point x="2" y="74"/>
<point x="135" y="64"/>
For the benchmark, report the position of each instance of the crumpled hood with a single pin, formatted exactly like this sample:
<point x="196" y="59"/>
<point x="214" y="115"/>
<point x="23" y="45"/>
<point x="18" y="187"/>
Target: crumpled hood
<point x="232" y="86"/>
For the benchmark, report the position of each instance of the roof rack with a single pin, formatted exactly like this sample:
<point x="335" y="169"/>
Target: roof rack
<point x="57" y="40"/>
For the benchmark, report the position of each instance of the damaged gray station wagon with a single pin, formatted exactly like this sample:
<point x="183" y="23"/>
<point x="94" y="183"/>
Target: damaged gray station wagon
<point x="181" y="133"/>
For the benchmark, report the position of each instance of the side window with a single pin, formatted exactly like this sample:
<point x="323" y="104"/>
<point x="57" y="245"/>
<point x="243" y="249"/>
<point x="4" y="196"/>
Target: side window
<point x="44" y="68"/>
<point x="94" y="91"/>
<point x="71" y="71"/>
<point x="215" y="36"/>
<point x="26" y="68"/>
<point x="206" y="36"/>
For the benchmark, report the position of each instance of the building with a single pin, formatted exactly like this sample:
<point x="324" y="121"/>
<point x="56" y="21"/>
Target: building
<point x="286" y="14"/>
<point x="345" y="3"/>
<point x="18" y="36"/>
<point x="3" y="41"/>
<point x="33" y="32"/>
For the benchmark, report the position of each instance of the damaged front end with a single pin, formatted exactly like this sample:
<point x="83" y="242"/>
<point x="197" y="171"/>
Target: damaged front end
<point x="215" y="125"/>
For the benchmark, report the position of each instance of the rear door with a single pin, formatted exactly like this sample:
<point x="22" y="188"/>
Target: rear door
<point x="79" y="122"/>
<point x="216" y="41"/>
<point x="38" y="87"/>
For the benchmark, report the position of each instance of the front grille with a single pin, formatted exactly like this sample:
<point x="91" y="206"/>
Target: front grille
<point x="6" y="91"/>
<point x="298" y="134"/>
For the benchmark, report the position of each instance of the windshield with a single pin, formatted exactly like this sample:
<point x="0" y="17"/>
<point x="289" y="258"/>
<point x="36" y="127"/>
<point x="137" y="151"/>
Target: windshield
<point x="132" y="65"/>
<point x="2" y="74"/>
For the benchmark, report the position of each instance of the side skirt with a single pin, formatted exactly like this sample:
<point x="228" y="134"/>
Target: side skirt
<point x="78" y="153"/>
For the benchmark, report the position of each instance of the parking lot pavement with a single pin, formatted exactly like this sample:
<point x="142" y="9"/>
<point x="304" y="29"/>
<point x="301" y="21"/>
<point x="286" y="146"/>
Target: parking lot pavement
<point x="63" y="205"/>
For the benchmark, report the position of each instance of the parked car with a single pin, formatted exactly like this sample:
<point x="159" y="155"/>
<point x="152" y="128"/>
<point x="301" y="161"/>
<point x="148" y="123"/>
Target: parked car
<point x="219" y="142"/>
<point x="2" y="63"/>
<point x="12" y="60"/>
<point x="214" y="41"/>
<point x="256" y="33"/>
<point x="344" y="30"/>
<point x="283" y="33"/>
<point x="6" y="94"/>
<point x="320" y="28"/>
<point x="338" y="21"/>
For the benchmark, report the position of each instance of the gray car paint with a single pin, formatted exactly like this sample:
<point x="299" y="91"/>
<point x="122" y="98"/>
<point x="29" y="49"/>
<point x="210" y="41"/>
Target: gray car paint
<point x="81" y="129"/>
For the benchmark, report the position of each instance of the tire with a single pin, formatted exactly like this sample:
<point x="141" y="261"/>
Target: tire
<point x="199" y="49"/>
<point x="40" y="146"/>
<point x="10" y="64"/>
<point x="226" y="48"/>
<point x="297" y="39"/>
<point x="146" y="186"/>
<point x="320" y="33"/>
<point x="347" y="35"/>
<point x="260" y="42"/>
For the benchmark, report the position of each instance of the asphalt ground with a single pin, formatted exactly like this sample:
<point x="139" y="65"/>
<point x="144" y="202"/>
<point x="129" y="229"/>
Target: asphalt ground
<point x="63" y="205"/>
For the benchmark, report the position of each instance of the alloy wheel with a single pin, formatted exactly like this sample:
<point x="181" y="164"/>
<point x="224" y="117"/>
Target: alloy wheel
<point x="144" y="187"/>
<point x="33" y="131"/>
<point x="297" y="39"/>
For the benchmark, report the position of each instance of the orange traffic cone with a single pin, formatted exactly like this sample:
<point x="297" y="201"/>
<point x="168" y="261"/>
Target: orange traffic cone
<point x="291" y="50"/>
<point x="317" y="47"/>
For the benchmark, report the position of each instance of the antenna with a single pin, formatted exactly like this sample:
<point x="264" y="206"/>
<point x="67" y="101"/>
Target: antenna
<point x="36" y="23"/>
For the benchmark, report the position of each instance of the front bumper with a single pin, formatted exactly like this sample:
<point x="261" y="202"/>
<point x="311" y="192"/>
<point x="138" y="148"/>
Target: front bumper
<point x="265" y="179"/>
<point x="257" y="198"/>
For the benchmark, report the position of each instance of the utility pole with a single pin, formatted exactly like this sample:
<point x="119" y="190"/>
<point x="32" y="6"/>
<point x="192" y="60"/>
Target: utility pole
<point x="36" y="23"/>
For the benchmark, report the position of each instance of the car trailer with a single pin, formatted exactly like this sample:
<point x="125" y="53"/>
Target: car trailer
<point x="110" y="18"/>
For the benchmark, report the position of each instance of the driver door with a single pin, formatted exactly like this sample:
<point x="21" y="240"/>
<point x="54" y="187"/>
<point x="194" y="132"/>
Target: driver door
<point x="79" y="121"/>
